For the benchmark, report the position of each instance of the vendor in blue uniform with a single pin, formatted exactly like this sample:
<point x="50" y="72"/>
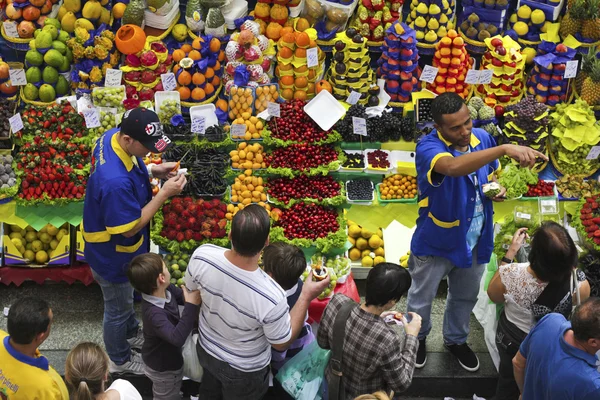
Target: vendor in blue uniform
<point x="116" y="214"/>
<point x="454" y="234"/>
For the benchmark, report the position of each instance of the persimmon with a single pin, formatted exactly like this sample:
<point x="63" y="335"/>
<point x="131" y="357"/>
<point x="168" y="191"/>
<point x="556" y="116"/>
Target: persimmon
<point x="184" y="92"/>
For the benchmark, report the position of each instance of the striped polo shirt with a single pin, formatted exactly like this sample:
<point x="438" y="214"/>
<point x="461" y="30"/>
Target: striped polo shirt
<point x="242" y="312"/>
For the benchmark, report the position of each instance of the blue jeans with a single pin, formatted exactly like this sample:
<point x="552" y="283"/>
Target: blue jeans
<point x="119" y="318"/>
<point x="463" y="288"/>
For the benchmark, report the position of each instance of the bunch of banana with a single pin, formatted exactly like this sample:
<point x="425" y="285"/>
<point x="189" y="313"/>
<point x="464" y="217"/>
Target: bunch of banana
<point x="404" y="260"/>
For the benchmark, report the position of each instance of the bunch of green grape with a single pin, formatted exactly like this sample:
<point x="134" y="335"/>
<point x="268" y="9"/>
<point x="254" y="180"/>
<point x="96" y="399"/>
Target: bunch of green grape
<point x="108" y="96"/>
<point x="107" y="120"/>
<point x="168" y="109"/>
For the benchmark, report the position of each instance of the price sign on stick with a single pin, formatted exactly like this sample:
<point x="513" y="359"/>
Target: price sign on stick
<point x="359" y="126"/>
<point x="92" y="119"/>
<point x="429" y="73"/>
<point x="353" y="97"/>
<point x="238" y="129"/>
<point x="472" y="77"/>
<point x="571" y="69"/>
<point x="16" y="123"/>
<point x="10" y="27"/>
<point x="312" y="57"/>
<point x="17" y="77"/>
<point x="199" y="125"/>
<point x="274" y="109"/>
<point x="594" y="153"/>
<point x="113" y="77"/>
<point x="168" y="81"/>
<point x="485" y="76"/>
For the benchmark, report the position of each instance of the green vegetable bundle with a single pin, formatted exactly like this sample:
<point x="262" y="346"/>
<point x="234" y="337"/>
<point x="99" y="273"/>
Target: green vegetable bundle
<point x="516" y="179"/>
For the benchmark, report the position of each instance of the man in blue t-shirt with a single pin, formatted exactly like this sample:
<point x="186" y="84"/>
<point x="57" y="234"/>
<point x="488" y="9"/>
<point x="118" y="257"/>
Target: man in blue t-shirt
<point x="557" y="360"/>
<point x="116" y="214"/>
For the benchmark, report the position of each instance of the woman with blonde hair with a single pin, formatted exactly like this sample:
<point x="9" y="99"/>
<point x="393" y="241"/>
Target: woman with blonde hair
<point x="86" y="373"/>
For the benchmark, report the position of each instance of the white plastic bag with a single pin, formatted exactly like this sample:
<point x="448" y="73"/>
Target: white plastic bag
<point x="191" y="365"/>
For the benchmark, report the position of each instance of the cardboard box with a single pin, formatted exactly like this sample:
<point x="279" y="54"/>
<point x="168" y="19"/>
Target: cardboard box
<point x="50" y="246"/>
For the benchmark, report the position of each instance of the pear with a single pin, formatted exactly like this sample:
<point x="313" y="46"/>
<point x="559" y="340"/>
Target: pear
<point x="68" y="22"/>
<point x="365" y="233"/>
<point x="73" y="6"/>
<point x="361" y="243"/>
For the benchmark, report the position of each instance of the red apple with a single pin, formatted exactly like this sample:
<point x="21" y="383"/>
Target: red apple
<point x="499" y="110"/>
<point x="561" y="48"/>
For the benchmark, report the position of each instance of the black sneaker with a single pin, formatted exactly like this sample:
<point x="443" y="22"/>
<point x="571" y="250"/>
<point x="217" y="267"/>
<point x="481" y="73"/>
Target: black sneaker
<point x="466" y="358"/>
<point x="421" y="354"/>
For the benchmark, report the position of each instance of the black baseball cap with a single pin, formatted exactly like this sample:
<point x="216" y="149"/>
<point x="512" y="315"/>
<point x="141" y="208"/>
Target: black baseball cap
<point x="143" y="125"/>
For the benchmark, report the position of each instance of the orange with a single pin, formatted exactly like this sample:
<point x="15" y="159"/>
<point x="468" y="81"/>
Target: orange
<point x="197" y="43"/>
<point x="178" y="55"/>
<point x="184" y="93"/>
<point x="198" y="79"/>
<point x="286" y="29"/>
<point x="221" y="104"/>
<point x="300" y="52"/>
<point x="287" y="94"/>
<point x="216" y="82"/>
<point x="288" y="37"/>
<point x="198" y="94"/>
<point x="302" y="39"/>
<point x="176" y="68"/>
<point x="217" y="66"/>
<point x="221" y="56"/>
<point x="286" y="52"/>
<point x="187" y="48"/>
<point x="184" y="78"/>
<point x="287" y="80"/>
<point x="195" y="55"/>
<point x="301" y="82"/>
<point x="215" y="45"/>
<point x="209" y="73"/>
<point x="209" y="89"/>
<point x="300" y="95"/>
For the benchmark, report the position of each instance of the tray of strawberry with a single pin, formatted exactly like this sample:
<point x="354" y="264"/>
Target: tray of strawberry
<point x="322" y="190"/>
<point x="303" y="159"/>
<point x="184" y="223"/>
<point x="55" y="122"/>
<point x="308" y="224"/>
<point x="542" y="189"/>
<point x="295" y="126"/>
<point x="378" y="161"/>
<point x="588" y="223"/>
<point x="52" y="171"/>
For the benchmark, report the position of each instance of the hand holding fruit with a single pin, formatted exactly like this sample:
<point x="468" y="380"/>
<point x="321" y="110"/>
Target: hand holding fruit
<point x="174" y="186"/>
<point x="524" y="155"/>
<point x="500" y="196"/>
<point x="191" y="296"/>
<point x="414" y="326"/>
<point x="517" y="241"/>
<point x="313" y="288"/>
<point x="164" y="170"/>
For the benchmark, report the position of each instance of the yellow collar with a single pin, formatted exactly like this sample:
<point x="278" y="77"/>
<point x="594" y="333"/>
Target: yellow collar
<point x="127" y="161"/>
<point x="474" y="141"/>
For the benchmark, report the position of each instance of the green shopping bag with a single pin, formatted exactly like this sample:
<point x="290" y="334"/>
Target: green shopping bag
<point x="302" y="375"/>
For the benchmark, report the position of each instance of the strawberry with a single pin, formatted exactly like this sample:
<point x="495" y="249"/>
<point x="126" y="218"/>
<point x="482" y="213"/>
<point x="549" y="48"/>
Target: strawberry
<point x="180" y="237"/>
<point x="188" y="234"/>
<point x="197" y="236"/>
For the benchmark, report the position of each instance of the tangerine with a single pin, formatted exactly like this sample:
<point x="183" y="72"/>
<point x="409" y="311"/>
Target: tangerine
<point x="300" y="95"/>
<point x="312" y="44"/>
<point x="300" y="52"/>
<point x="197" y="43"/>
<point x="195" y="55"/>
<point x="215" y="45"/>
<point x="302" y="39"/>
<point x="178" y="55"/>
<point x="184" y="92"/>
<point x="209" y="89"/>
<point x="287" y="80"/>
<point x="216" y="82"/>
<point x="287" y="94"/>
<point x="198" y="94"/>
<point x="286" y="29"/>
<point x="221" y="56"/>
<point x="217" y="66"/>
<point x="187" y="48"/>
<point x="209" y="73"/>
<point x="221" y="104"/>
<point x="311" y="74"/>
<point x="300" y="70"/>
<point x="286" y="52"/>
<point x="301" y="82"/>
<point x="184" y="78"/>
<point x="198" y="79"/>
<point x="176" y="68"/>
<point x="288" y="38"/>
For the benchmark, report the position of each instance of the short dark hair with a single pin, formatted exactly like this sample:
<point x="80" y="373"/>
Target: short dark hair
<point x="585" y="321"/>
<point x="385" y="282"/>
<point x="553" y="253"/>
<point x="143" y="271"/>
<point x="445" y="103"/>
<point x="250" y="230"/>
<point x="27" y="318"/>
<point x="285" y="263"/>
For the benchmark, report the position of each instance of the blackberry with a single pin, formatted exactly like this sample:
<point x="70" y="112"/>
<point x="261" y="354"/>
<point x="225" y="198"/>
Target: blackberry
<point x="360" y="189"/>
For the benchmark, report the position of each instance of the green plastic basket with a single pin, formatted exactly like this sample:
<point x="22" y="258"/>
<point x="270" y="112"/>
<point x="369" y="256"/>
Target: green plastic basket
<point x="408" y="201"/>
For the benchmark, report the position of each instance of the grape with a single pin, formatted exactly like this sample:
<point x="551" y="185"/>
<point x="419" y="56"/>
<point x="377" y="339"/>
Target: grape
<point x="168" y="109"/>
<point x="108" y="96"/>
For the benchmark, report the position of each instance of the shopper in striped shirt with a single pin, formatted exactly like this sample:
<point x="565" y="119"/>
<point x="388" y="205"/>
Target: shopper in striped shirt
<point x="244" y="312"/>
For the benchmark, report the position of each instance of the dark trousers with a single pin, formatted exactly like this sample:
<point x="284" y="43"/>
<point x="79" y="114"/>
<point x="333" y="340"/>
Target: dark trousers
<point x="220" y="381"/>
<point x="508" y="341"/>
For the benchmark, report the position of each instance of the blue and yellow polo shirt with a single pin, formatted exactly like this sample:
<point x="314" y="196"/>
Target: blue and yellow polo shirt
<point x="117" y="190"/>
<point x="25" y="378"/>
<point x="447" y="204"/>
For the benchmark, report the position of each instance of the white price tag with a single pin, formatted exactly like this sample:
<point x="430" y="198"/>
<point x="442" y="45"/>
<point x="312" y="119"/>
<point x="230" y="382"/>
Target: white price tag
<point x="472" y="77"/>
<point x="17" y="77"/>
<point x="381" y="83"/>
<point x="168" y="81"/>
<point x="359" y="126"/>
<point x="113" y="77"/>
<point x="6" y="310"/>
<point x="238" y="129"/>
<point x="199" y="125"/>
<point x="571" y="69"/>
<point x="548" y="203"/>
<point x="353" y="97"/>
<point x="523" y="215"/>
<point x="485" y="76"/>
<point x="312" y="57"/>
<point x="92" y="119"/>
<point x="70" y="99"/>
<point x="274" y="109"/>
<point x="264" y="115"/>
<point x="10" y="27"/>
<point x="83" y="104"/>
<point x="428" y="74"/>
<point x="594" y="153"/>
<point x="16" y="123"/>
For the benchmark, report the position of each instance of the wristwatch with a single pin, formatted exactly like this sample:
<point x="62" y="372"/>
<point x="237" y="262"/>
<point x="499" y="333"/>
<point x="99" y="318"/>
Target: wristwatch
<point x="506" y="260"/>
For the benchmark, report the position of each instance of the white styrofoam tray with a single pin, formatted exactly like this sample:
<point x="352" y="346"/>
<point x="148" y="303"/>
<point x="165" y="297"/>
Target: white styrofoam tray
<point x="378" y="171"/>
<point x="160" y="97"/>
<point x="207" y="111"/>
<point x="325" y="110"/>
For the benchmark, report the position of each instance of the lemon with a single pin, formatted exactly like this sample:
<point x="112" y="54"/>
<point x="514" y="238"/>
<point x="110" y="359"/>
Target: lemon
<point x="378" y="260"/>
<point x="54" y="244"/>
<point x="524" y="12"/>
<point x="434" y="9"/>
<point x="420" y="35"/>
<point x="529" y="53"/>
<point x="433" y="24"/>
<point x="538" y="17"/>
<point x="41" y="257"/>
<point x="521" y="28"/>
<point x="367" y="261"/>
<point x="431" y="36"/>
<point x="15" y="235"/>
<point x="422" y="8"/>
<point x="421" y="22"/>
<point x="30" y="237"/>
<point x="513" y="18"/>
<point x="45" y="238"/>
<point x="29" y="255"/>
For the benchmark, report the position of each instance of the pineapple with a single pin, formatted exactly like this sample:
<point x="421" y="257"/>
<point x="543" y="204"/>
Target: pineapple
<point x="586" y="66"/>
<point x="590" y="92"/>
<point x="571" y="22"/>
<point x="590" y="27"/>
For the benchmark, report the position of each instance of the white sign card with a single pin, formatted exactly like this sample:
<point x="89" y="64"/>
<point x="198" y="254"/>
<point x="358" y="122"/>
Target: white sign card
<point x="17" y="77"/>
<point x="312" y="57"/>
<point x="10" y="27"/>
<point x="359" y="126"/>
<point x="428" y="74"/>
<point x="594" y="153"/>
<point x="238" y="129"/>
<point x="92" y="118"/>
<point x="199" y="125"/>
<point x="571" y="69"/>
<point x="113" y="77"/>
<point x="16" y="123"/>
<point x="168" y="81"/>
<point x="353" y="97"/>
<point x="274" y="109"/>
<point x="485" y="76"/>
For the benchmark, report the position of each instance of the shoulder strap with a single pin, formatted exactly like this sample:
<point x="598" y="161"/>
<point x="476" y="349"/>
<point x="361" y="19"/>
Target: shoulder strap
<point x="336" y="386"/>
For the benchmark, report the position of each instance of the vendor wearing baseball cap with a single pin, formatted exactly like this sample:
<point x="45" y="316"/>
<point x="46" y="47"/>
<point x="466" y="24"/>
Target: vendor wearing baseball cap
<point x="116" y="214"/>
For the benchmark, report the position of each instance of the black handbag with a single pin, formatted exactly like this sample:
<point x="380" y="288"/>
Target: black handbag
<point x="336" y="384"/>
